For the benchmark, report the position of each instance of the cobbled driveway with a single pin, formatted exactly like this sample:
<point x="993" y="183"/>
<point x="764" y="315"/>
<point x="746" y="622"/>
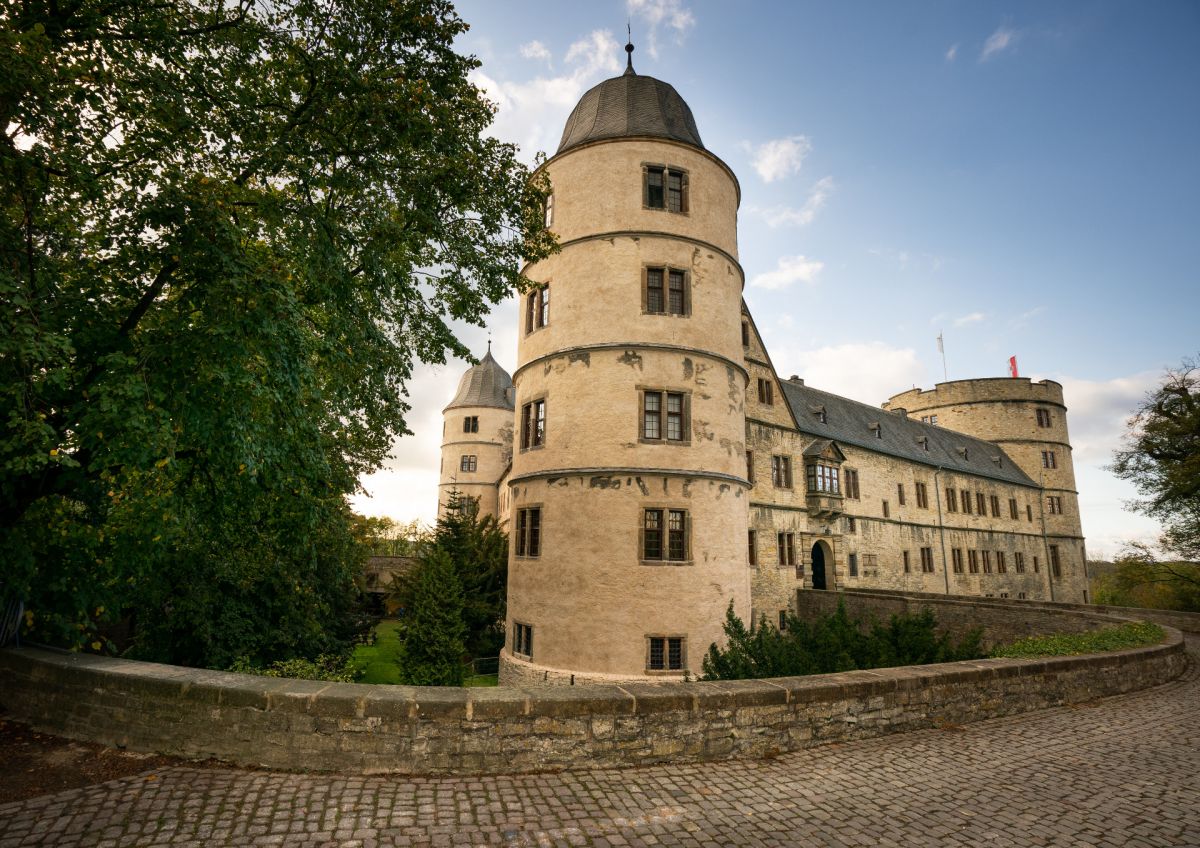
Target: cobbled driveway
<point x="1121" y="772"/>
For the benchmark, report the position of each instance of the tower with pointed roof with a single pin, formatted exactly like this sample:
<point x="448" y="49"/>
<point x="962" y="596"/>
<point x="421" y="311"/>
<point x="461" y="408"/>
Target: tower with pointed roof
<point x="477" y="435"/>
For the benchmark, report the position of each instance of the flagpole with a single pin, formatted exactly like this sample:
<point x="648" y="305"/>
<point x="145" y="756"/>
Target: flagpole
<point x="942" y="350"/>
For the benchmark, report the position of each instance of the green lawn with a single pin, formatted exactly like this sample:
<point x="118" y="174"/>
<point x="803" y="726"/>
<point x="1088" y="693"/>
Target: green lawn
<point x="380" y="663"/>
<point x="1131" y="635"/>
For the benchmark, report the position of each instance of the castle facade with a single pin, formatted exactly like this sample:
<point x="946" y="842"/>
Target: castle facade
<point x="652" y="467"/>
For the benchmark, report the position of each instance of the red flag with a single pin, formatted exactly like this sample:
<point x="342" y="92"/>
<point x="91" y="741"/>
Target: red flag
<point x="1012" y="366"/>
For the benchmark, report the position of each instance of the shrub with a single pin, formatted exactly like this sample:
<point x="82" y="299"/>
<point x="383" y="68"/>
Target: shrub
<point x="324" y="667"/>
<point x="1135" y="634"/>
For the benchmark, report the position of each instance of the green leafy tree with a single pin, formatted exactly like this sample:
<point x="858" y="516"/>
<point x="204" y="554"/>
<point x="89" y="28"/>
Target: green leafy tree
<point x="432" y="632"/>
<point x="227" y="231"/>
<point x="1161" y="458"/>
<point x="1140" y="579"/>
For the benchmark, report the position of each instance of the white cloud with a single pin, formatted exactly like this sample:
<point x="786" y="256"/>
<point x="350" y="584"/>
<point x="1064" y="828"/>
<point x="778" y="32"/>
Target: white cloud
<point x="532" y="113"/>
<point x="780" y="157"/>
<point x="1023" y="320"/>
<point x="658" y="13"/>
<point x="999" y="41"/>
<point x="952" y="53"/>
<point x="790" y="269"/>
<point x="786" y="216"/>
<point x="869" y="372"/>
<point x="535" y="50"/>
<point x="967" y="320"/>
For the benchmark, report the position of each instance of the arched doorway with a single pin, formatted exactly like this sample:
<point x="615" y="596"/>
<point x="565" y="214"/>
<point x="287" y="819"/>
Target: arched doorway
<point x="818" y="565"/>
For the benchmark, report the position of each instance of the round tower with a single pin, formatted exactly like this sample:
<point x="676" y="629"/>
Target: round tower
<point x="477" y="434"/>
<point x="1029" y="421"/>
<point x="628" y="490"/>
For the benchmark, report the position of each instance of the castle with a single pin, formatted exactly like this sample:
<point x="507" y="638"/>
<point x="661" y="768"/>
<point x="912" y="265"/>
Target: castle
<point x="652" y="467"/>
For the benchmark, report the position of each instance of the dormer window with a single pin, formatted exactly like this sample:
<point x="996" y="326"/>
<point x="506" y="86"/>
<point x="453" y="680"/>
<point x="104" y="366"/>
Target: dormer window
<point x="923" y="442"/>
<point x="876" y="428"/>
<point x="819" y="413"/>
<point x="964" y="454"/>
<point x="664" y="188"/>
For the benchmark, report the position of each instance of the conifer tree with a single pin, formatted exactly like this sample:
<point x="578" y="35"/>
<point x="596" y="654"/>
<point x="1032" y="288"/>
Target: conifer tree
<point x="432" y="631"/>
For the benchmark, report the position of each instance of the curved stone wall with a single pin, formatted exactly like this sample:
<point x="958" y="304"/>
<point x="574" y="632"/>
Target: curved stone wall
<point x="316" y="726"/>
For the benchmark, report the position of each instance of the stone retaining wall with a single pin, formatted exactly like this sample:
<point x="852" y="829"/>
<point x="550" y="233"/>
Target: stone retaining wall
<point x="308" y="725"/>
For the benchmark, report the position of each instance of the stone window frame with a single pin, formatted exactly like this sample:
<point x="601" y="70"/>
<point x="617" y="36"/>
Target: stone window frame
<point x="1054" y="504"/>
<point x="745" y="334"/>
<point x="922" y="492"/>
<point x="527" y="534"/>
<point x="529" y="411"/>
<point x="981" y="505"/>
<point x="781" y="471"/>
<point x="1055" y="562"/>
<point x="537" y="308"/>
<point x="1019" y="562"/>
<point x="751" y="477"/>
<point x="470" y="423"/>
<point x="686" y="413"/>
<point x="900" y="494"/>
<point x="972" y="561"/>
<point x="766" y="391"/>
<point x="1049" y="460"/>
<point x="832" y="477"/>
<point x="666" y="171"/>
<point x="887" y="510"/>
<point x="548" y="211"/>
<point x="850" y="480"/>
<point x="752" y="547"/>
<point x="966" y="502"/>
<point x="468" y="462"/>
<point x="907" y="562"/>
<point x="995" y="502"/>
<point x="986" y="556"/>
<point x="927" y="560"/>
<point x="522" y="644"/>
<point x="785" y="548"/>
<point x="665" y="649"/>
<point x="1043" y="417"/>
<point x="1001" y="563"/>
<point x="664" y="528"/>
<point x="852" y="564"/>
<point x="666" y="271"/>
<point x="1013" y="511"/>
<point x="956" y="558"/>
<point x="951" y="499"/>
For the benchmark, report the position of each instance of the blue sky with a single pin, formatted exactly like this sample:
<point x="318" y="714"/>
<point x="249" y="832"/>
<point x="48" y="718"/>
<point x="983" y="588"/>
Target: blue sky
<point x="1022" y="177"/>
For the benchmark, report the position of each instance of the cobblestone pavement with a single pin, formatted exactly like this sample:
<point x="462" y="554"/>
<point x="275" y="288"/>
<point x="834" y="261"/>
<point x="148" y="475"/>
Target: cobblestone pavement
<point x="1122" y="772"/>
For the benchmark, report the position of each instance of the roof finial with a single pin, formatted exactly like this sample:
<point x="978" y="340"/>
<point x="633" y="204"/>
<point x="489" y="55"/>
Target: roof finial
<point x="629" y="71"/>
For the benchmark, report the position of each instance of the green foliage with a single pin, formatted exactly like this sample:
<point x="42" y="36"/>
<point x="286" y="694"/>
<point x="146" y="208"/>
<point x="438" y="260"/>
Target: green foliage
<point x="831" y="643"/>
<point x="386" y="537"/>
<point x="478" y="550"/>
<point x="1162" y="458"/>
<point x="379" y="660"/>
<point x="1135" y="634"/>
<point x="227" y="231"/>
<point x="432" y="633"/>
<point x="1139" y="579"/>
<point x="324" y="667"/>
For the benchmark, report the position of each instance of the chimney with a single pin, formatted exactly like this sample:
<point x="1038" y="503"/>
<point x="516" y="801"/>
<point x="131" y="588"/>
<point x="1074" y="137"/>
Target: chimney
<point x="901" y="411"/>
<point x="795" y="378"/>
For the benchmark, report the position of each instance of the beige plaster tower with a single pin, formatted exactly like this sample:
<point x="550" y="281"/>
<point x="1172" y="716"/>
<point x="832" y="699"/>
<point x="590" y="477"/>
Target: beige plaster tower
<point x="1029" y="421"/>
<point x="628" y="490"/>
<point x="477" y="435"/>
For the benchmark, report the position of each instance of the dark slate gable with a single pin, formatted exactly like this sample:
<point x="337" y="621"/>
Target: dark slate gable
<point x="849" y="422"/>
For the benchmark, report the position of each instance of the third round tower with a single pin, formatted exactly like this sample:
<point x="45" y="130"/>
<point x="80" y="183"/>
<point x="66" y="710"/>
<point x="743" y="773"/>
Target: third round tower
<point x="628" y="490"/>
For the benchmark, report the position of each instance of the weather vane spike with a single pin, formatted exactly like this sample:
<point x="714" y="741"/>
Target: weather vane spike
<point x="629" y="48"/>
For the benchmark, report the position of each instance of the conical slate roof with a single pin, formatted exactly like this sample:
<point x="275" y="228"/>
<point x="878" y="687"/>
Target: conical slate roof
<point x="485" y="384"/>
<point x="629" y="106"/>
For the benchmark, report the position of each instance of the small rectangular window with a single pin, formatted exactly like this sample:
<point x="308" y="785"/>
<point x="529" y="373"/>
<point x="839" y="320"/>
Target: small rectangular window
<point x="957" y="558"/>
<point x="665" y="188"/>
<point x="1055" y="562"/>
<point x="851" y="524"/>
<point x="1043" y="417"/>
<point x="1048" y="460"/>
<point x="471" y="424"/>
<point x="752" y="547"/>
<point x="750" y="466"/>
<point x="852" y="563"/>
<point x="1012" y="509"/>
<point x="745" y="334"/>
<point x="664" y="415"/>
<point x="922" y="496"/>
<point x="900" y="494"/>
<point x="980" y="504"/>
<point x="529" y="532"/>
<point x="787" y="548"/>
<point x="655" y="301"/>
<point x="1037" y="567"/>
<point x="951" y="500"/>
<point x="1001" y="563"/>
<point x="665" y="535"/>
<point x="533" y="424"/>
<point x="822" y="478"/>
<point x="986" y="556"/>
<point x="852" y="490"/>
<point x="907" y="566"/>
<point x="927" y="560"/>
<point x="676" y="301"/>
<point x="1019" y="562"/>
<point x="1029" y="513"/>
<point x="1054" y="504"/>
<point x="781" y="472"/>
<point x="665" y="653"/>
<point x="766" y="392"/>
<point x="995" y="501"/>
<point x="523" y="640"/>
<point x="973" y="561"/>
<point x="966" y="502"/>
<point x="468" y="462"/>
<point x="549" y="210"/>
<point x="783" y="619"/>
<point x="887" y="511"/>
<point x="537" y="308"/>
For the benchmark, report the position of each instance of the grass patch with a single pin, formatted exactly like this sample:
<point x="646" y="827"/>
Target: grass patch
<point x="480" y="680"/>
<point x="379" y="662"/>
<point x="1135" y="634"/>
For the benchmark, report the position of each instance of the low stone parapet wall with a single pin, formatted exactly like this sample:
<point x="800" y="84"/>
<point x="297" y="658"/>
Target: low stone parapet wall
<point x="309" y="725"/>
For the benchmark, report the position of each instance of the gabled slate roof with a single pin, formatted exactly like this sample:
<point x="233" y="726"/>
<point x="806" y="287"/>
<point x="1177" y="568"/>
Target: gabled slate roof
<point x="485" y="384"/>
<point x="849" y="422"/>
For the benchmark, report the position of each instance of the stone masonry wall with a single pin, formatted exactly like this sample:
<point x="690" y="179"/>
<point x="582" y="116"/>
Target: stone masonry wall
<point x="317" y="726"/>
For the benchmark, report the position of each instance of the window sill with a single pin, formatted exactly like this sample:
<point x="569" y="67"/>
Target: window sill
<point x="533" y="448"/>
<point x="668" y="562"/>
<point x="667" y="314"/>
<point x="655" y="672"/>
<point x="683" y="443"/>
